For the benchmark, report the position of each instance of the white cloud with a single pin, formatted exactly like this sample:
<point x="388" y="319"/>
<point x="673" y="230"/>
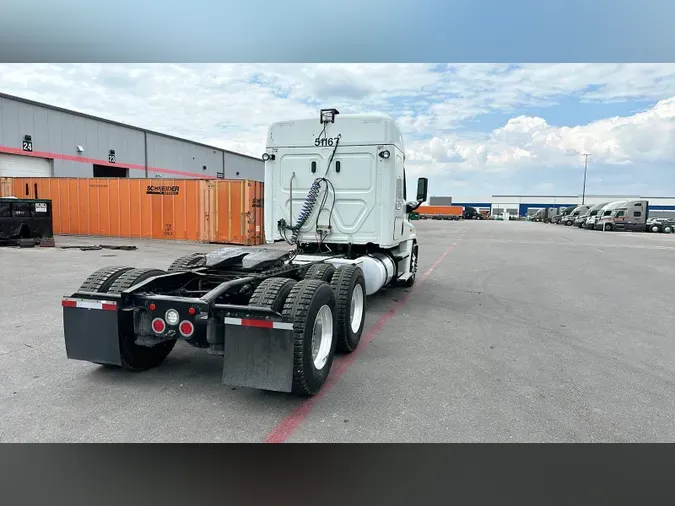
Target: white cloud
<point x="231" y="106"/>
<point x="524" y="141"/>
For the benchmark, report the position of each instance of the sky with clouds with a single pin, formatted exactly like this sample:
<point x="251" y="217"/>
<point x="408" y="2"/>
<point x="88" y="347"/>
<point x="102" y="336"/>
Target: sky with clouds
<point x="473" y="129"/>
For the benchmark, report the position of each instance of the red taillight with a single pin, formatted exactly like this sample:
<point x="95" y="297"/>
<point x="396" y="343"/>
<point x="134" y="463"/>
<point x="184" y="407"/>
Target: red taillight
<point x="158" y="325"/>
<point x="192" y="311"/>
<point x="186" y="328"/>
<point x="152" y="306"/>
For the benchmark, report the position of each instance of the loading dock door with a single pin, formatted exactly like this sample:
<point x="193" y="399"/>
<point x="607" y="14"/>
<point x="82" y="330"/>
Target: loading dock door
<point x="24" y="166"/>
<point x="110" y="172"/>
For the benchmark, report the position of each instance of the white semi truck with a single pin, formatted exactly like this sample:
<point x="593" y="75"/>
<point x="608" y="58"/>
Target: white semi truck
<point x="335" y="191"/>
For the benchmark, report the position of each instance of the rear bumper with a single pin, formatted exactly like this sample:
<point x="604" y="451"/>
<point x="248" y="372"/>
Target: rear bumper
<point x="256" y="343"/>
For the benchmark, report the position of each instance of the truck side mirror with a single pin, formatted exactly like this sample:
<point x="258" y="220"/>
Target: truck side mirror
<point x="422" y="184"/>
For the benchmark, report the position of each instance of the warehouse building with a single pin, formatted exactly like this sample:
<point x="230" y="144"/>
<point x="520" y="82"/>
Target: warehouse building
<point x="527" y="205"/>
<point x="481" y="205"/>
<point x="440" y="201"/>
<point x="40" y="140"/>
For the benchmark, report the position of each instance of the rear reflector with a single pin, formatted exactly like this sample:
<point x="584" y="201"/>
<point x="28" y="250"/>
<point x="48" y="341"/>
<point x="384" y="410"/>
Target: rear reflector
<point x="265" y="324"/>
<point x="158" y="326"/>
<point x="186" y="328"/>
<point x="89" y="304"/>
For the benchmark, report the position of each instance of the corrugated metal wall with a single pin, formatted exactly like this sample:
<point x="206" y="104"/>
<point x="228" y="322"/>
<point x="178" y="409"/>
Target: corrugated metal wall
<point x="56" y="135"/>
<point x="166" y="154"/>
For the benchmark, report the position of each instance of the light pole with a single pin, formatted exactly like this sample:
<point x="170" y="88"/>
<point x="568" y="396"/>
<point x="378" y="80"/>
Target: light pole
<point x="583" y="194"/>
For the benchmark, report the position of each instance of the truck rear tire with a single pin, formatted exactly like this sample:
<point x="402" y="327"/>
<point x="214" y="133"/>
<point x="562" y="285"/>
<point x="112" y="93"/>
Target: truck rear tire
<point x="311" y="307"/>
<point x="136" y="357"/>
<point x="132" y="277"/>
<point x="349" y="286"/>
<point x="187" y="262"/>
<point x="101" y="280"/>
<point x="322" y="272"/>
<point x="272" y="293"/>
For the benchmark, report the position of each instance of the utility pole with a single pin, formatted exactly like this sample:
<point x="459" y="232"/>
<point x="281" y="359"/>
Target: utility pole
<point x="583" y="195"/>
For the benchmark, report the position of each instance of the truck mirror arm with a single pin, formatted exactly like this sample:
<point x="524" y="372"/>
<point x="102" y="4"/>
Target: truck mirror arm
<point x="411" y="206"/>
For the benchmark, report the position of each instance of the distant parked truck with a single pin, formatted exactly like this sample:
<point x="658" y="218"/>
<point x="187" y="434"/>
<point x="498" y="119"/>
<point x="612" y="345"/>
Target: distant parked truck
<point x="549" y="213"/>
<point x="545" y="215"/>
<point x="562" y="212"/>
<point x="629" y="215"/>
<point x="440" y="212"/>
<point x="471" y="213"/>
<point x="591" y="220"/>
<point x="568" y="219"/>
<point x="606" y="211"/>
<point x="582" y="220"/>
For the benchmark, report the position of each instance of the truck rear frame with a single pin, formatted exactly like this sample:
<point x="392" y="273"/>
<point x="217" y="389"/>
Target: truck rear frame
<point x="261" y="318"/>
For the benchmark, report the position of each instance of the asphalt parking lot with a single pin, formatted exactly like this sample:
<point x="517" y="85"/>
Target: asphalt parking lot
<point x="514" y="332"/>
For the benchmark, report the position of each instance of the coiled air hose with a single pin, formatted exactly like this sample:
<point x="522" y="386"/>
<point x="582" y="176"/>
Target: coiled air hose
<point x="305" y="211"/>
<point x="307" y="208"/>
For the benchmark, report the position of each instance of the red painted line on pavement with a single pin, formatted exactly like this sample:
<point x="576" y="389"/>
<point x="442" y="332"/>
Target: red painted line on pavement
<point x="288" y="425"/>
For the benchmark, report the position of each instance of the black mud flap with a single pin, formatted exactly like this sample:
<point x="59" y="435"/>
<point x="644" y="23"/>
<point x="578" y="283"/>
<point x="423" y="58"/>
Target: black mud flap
<point x="258" y="354"/>
<point x="91" y="330"/>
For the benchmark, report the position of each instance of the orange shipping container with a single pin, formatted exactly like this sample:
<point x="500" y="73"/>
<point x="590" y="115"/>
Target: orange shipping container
<point x="233" y="212"/>
<point x="6" y="189"/>
<point x="218" y="211"/>
<point x="440" y="210"/>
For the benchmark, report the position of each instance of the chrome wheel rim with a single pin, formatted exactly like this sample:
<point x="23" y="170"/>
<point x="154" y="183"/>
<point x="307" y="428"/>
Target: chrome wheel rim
<point x="322" y="337"/>
<point x="356" y="310"/>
